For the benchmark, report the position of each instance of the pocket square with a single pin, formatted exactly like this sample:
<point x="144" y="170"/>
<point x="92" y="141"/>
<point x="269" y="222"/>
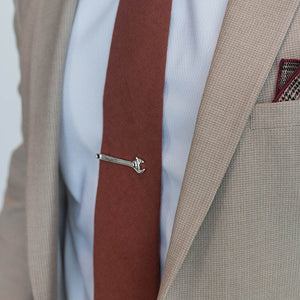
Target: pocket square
<point x="288" y="82"/>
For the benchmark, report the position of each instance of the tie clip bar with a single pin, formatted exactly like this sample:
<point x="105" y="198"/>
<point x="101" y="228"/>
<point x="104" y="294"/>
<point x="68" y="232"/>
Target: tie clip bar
<point x="135" y="164"/>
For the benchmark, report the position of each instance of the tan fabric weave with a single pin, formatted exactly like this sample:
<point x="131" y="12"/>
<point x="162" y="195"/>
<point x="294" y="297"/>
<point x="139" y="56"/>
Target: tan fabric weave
<point x="237" y="228"/>
<point x="248" y="247"/>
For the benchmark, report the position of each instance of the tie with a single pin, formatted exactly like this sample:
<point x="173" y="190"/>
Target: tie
<point x="127" y="214"/>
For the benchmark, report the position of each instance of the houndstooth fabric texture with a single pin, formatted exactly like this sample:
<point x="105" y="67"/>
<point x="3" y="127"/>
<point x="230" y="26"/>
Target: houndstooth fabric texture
<point x="288" y="82"/>
<point x="287" y="68"/>
<point x="292" y="91"/>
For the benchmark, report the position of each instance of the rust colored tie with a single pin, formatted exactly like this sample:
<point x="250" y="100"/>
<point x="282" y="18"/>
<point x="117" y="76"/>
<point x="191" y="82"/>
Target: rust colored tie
<point x="127" y="215"/>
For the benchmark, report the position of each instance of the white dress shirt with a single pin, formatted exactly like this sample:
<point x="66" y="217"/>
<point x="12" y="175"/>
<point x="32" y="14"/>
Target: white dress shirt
<point x="194" y="30"/>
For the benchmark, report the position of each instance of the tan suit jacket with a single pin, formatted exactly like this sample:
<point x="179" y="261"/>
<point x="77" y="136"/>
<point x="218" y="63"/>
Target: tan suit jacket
<point x="237" y="228"/>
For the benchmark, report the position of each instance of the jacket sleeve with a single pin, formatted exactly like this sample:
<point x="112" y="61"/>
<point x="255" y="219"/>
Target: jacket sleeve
<point x="14" y="274"/>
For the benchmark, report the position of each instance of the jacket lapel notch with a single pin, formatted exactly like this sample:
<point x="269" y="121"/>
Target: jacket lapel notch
<point x="250" y="38"/>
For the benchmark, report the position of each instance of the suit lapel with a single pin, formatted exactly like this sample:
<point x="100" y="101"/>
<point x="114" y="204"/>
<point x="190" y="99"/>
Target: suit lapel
<point x="52" y="26"/>
<point x="250" y="38"/>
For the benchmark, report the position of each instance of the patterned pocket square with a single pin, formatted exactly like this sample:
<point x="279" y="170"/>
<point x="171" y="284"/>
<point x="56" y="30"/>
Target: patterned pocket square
<point x="288" y="82"/>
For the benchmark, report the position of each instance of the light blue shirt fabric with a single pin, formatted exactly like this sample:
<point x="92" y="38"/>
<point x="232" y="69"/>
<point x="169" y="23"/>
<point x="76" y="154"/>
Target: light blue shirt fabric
<point x="194" y="30"/>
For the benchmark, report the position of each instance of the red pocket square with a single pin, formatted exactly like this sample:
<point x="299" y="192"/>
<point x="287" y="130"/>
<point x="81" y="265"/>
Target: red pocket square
<point x="288" y="82"/>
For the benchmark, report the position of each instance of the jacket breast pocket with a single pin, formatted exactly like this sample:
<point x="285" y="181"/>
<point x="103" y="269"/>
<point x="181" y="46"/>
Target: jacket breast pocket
<point x="275" y="115"/>
<point x="272" y="145"/>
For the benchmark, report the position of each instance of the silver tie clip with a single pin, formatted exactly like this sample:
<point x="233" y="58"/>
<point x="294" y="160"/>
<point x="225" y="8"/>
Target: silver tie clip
<point x="135" y="164"/>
